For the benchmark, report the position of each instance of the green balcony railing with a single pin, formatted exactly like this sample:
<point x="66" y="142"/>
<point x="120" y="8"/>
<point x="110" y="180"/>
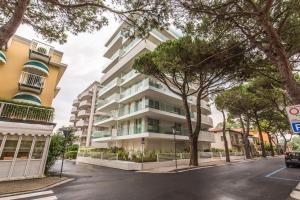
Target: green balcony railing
<point x="14" y="110"/>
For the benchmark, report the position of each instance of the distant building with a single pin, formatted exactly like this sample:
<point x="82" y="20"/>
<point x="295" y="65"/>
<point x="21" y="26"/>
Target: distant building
<point x="83" y="114"/>
<point x="234" y="139"/>
<point x="29" y="74"/>
<point x="139" y="110"/>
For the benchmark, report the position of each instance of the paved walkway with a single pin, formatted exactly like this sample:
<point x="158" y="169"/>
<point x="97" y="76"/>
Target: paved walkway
<point x="9" y="187"/>
<point x="202" y="163"/>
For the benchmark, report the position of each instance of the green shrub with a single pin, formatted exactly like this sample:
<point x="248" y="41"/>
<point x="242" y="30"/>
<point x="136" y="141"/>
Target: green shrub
<point x="148" y="157"/>
<point x="71" y="155"/>
<point x="122" y="155"/>
<point x="73" y="147"/>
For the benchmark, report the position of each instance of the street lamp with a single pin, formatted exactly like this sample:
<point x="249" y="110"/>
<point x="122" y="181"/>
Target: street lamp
<point x="66" y="133"/>
<point x="175" y="154"/>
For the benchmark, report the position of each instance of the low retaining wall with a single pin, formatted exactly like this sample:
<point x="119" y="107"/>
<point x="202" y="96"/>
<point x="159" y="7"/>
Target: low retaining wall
<point x="127" y="165"/>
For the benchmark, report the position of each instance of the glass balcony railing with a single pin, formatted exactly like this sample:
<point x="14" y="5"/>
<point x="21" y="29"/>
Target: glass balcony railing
<point x="129" y="75"/>
<point x="101" y="134"/>
<point x="158" y="34"/>
<point x="113" y="97"/>
<point x="129" y="46"/>
<point x="108" y="86"/>
<point x="101" y="118"/>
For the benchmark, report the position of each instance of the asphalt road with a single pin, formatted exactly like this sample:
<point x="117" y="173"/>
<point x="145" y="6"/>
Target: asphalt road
<point x="262" y="179"/>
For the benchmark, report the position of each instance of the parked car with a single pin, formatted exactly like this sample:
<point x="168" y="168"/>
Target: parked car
<point x="292" y="159"/>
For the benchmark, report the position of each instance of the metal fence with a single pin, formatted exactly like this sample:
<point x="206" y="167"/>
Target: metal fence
<point x="160" y="157"/>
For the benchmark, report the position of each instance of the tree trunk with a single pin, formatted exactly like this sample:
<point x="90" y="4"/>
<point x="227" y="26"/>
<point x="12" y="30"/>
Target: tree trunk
<point x="245" y="139"/>
<point x="193" y="144"/>
<point x="284" y="146"/>
<point x="194" y="152"/>
<point x="11" y="26"/>
<point x="278" y="56"/>
<point x="271" y="144"/>
<point x="262" y="144"/>
<point x="225" y="138"/>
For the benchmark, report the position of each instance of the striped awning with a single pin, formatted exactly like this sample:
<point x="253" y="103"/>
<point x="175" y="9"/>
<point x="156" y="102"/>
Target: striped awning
<point x="2" y="57"/>
<point x="37" y="67"/>
<point x="27" y="97"/>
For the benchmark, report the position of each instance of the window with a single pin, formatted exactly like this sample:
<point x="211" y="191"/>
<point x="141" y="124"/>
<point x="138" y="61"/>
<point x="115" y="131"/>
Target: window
<point x="153" y="104"/>
<point x="153" y="125"/>
<point x="137" y="105"/>
<point x="25" y="148"/>
<point x="222" y="138"/>
<point x="9" y="148"/>
<point x="137" y="125"/>
<point x="38" y="148"/>
<point x="178" y="128"/>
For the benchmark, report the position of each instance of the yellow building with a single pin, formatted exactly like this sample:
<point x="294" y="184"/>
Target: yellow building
<point x="29" y="74"/>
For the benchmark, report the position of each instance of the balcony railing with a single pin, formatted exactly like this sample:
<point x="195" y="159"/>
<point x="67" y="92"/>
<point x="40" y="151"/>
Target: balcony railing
<point x="20" y="111"/>
<point x="31" y="82"/>
<point x="101" y="134"/>
<point x="41" y="51"/>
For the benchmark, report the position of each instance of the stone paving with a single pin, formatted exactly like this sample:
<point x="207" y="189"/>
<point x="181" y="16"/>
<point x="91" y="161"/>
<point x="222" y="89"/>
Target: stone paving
<point x="8" y="187"/>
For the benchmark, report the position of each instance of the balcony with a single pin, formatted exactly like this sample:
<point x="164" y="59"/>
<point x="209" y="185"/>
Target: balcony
<point x="83" y="113"/>
<point x="76" y="102"/>
<point x="101" y="134"/>
<point x="106" y="120"/>
<point x="74" y="110"/>
<point x="109" y="88"/>
<point x="40" y="51"/>
<point x="109" y="103"/>
<point x="72" y="118"/>
<point x="21" y="111"/>
<point x="78" y="133"/>
<point x="128" y="78"/>
<point x="85" y="104"/>
<point x="86" y="95"/>
<point x="31" y="82"/>
<point x="82" y="123"/>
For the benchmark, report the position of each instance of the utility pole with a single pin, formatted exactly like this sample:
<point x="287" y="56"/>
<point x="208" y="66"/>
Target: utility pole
<point x="175" y="154"/>
<point x="66" y="133"/>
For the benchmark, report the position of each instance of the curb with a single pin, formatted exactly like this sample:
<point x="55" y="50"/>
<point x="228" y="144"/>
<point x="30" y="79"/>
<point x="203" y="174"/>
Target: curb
<point x="295" y="194"/>
<point x="38" y="190"/>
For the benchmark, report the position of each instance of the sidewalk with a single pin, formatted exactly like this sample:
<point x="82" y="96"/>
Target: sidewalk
<point x="29" y="185"/>
<point x="202" y="163"/>
<point x="295" y="194"/>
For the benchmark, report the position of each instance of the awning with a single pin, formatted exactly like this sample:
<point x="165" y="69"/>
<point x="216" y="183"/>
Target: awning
<point x="2" y="57"/>
<point x="36" y="67"/>
<point x="27" y="97"/>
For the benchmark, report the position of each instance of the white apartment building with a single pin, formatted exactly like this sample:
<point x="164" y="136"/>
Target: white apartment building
<point x="138" y="107"/>
<point x="83" y="112"/>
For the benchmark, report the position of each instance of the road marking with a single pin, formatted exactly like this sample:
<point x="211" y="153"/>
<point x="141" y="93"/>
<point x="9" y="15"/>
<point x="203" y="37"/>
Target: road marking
<point x="285" y="179"/>
<point x="47" y="198"/>
<point x="275" y="172"/>
<point x="22" y="196"/>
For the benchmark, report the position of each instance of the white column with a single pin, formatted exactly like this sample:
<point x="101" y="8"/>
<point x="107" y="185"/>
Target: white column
<point x="15" y="157"/>
<point x="2" y="145"/>
<point x="29" y="157"/>
<point x="91" y="118"/>
<point x="45" y="155"/>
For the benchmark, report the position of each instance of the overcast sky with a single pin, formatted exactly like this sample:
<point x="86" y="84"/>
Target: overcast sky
<point x="83" y="55"/>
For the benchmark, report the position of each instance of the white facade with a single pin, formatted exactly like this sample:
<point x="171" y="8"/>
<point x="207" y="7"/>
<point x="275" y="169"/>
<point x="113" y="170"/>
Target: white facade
<point x="23" y="149"/>
<point x="135" y="106"/>
<point x="83" y="112"/>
